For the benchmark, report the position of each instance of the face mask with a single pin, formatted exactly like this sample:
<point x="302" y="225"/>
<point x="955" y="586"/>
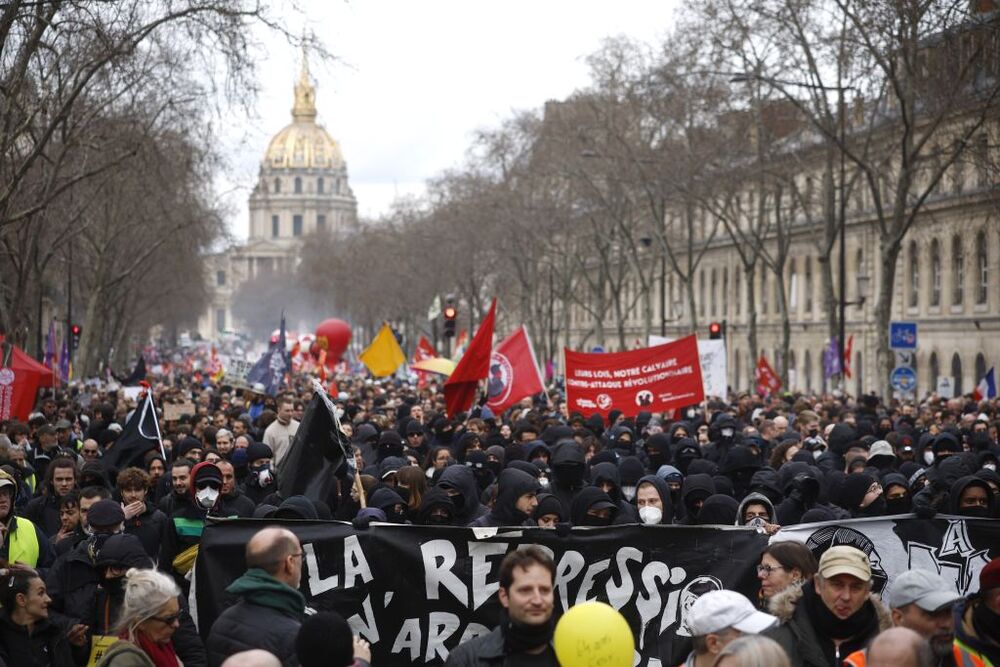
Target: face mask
<point x="727" y="433"/>
<point x="263" y="475"/>
<point x="975" y="512"/>
<point x="430" y="472"/>
<point x="817" y="453"/>
<point x="690" y="414"/>
<point x="650" y="515"/>
<point x="437" y="520"/>
<point x="115" y="586"/>
<point x="628" y="492"/>
<point x="757" y="522"/>
<point x="898" y="505"/>
<point x="990" y="466"/>
<point x="928" y="458"/>
<point x="544" y="481"/>
<point x="589" y="520"/>
<point x="206" y="497"/>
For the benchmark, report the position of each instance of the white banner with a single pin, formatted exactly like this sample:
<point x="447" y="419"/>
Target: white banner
<point x="713" y="364"/>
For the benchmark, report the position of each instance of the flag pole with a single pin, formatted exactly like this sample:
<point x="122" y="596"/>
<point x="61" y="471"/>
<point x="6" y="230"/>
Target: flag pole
<point x="156" y="422"/>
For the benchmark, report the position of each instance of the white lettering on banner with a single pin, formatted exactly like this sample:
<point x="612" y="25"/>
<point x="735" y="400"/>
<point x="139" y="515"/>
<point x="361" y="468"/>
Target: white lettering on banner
<point x="355" y="565"/>
<point x="440" y="628"/>
<point x="570" y="565"/>
<point x="439" y="557"/>
<point x="365" y="626"/>
<point x="588" y="579"/>
<point x="618" y="595"/>
<point x="480" y="552"/>
<point x="408" y="639"/>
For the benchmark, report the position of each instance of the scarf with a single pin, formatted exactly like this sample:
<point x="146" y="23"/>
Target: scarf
<point x="985" y="621"/>
<point x="829" y="624"/>
<point x="162" y="655"/>
<point x="519" y="638"/>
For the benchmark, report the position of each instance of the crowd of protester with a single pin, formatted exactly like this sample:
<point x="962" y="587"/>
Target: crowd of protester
<point x="97" y="559"/>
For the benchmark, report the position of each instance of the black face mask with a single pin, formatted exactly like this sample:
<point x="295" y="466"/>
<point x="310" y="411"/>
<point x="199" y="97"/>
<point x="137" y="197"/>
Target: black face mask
<point x="876" y="508"/>
<point x="569" y="475"/>
<point x="589" y="520"/>
<point x="458" y="500"/>
<point x="901" y="505"/>
<point x="393" y="516"/>
<point x="656" y="459"/>
<point x="115" y="586"/>
<point x="404" y="493"/>
<point x="438" y="520"/>
<point x="975" y="512"/>
<point x="495" y="467"/>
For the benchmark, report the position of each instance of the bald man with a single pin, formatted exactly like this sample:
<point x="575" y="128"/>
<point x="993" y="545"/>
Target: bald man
<point x="271" y="608"/>
<point x="254" y="658"/>
<point x="899" y="647"/>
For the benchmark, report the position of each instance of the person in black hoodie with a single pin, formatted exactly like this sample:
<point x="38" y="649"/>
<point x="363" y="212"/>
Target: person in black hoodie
<point x="723" y="435"/>
<point x="592" y="507"/>
<point x="605" y="476"/>
<point x="260" y="481"/>
<point x="941" y="477"/>
<point x="897" y="494"/>
<point x="695" y="491"/>
<point x="657" y="447"/>
<point x="718" y="510"/>
<point x="652" y="498"/>
<point x="389" y="502"/>
<point x="568" y="467"/>
<point x="841" y="437"/>
<point x="861" y="495"/>
<point x="460" y="485"/>
<point x="517" y="498"/>
<point x="972" y="497"/>
<point x="739" y="466"/>
<point x="436" y="509"/>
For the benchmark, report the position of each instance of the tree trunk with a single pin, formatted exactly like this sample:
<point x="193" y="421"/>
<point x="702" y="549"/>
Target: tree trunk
<point x="751" y="275"/>
<point x="786" y="327"/>
<point x="884" y="359"/>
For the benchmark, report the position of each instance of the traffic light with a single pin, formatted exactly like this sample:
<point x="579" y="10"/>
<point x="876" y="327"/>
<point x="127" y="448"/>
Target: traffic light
<point x="715" y="331"/>
<point x="75" y="331"/>
<point x="450" y="313"/>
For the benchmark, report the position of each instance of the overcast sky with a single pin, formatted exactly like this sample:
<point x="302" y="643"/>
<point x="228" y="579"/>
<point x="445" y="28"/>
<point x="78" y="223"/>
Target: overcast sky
<point x="416" y="78"/>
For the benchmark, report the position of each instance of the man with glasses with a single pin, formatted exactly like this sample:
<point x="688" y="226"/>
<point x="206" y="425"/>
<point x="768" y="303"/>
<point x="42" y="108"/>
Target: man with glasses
<point x="271" y="608"/>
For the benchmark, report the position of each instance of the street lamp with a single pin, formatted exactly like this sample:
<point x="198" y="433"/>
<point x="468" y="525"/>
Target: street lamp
<point x="842" y="204"/>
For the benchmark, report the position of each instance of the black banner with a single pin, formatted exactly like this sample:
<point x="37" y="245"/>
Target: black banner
<point x="415" y="592"/>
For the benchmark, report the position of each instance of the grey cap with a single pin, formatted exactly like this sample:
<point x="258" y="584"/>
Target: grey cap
<point x="881" y="448"/>
<point x="63" y="425"/>
<point x="927" y="590"/>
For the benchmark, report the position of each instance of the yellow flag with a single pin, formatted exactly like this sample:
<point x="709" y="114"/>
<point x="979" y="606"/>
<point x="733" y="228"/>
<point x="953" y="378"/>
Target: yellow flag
<point x="383" y="355"/>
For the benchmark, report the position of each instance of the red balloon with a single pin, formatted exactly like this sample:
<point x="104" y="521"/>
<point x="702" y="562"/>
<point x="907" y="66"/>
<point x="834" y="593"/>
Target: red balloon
<point x="337" y="334"/>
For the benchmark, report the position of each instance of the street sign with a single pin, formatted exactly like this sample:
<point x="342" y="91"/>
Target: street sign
<point x="905" y="359"/>
<point x="946" y="387"/>
<point x="597" y="348"/>
<point x="902" y="335"/>
<point x="903" y="379"/>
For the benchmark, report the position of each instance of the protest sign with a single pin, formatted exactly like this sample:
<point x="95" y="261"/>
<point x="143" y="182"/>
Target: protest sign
<point x="652" y="379"/>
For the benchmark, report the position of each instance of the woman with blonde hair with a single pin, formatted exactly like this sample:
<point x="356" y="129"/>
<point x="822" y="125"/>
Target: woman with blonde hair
<point x="752" y="651"/>
<point x="149" y="617"/>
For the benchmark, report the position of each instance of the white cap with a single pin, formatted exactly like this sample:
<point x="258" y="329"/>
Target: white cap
<point x="717" y="610"/>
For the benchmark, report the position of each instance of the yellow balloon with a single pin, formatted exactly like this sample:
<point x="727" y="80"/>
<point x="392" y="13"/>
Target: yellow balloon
<point x="593" y="634"/>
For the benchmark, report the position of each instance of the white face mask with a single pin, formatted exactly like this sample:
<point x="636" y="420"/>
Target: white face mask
<point x="650" y="514"/>
<point x="544" y="482"/>
<point x="206" y="497"/>
<point x="430" y="472"/>
<point x="727" y="432"/>
<point x="628" y="492"/>
<point x="817" y="453"/>
<point x="928" y="458"/>
<point x="990" y="466"/>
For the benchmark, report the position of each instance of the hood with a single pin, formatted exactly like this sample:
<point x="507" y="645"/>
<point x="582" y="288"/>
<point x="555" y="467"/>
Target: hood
<point x="194" y="480"/>
<point x="511" y="485"/>
<point x="567" y="451"/>
<point x="461" y="478"/>
<point x="434" y="497"/>
<point x="841" y="437"/>
<point x="384" y="498"/>
<point x="949" y="471"/>
<point x="587" y="497"/>
<point x="673" y="430"/>
<point x="670" y="474"/>
<point x="754" y="498"/>
<point x="123" y="550"/>
<point x="766" y="481"/>
<point x="961" y="485"/>
<point x="549" y="504"/>
<point x="535" y="445"/>
<point x="296" y="507"/>
<point x="697" y="483"/>
<point x="718" y="510"/>
<point x="607" y="472"/>
<point x="630" y="469"/>
<point x="663" y="490"/>
<point x="555" y="433"/>
<point x="739" y="458"/>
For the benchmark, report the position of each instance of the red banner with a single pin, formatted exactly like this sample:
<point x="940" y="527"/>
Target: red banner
<point x="513" y="372"/>
<point x="653" y="379"/>
<point x="423" y="350"/>
<point x="768" y="381"/>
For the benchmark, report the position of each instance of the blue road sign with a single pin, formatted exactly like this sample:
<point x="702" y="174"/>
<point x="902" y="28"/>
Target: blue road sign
<point x="902" y="335"/>
<point x="903" y="379"/>
<point x="597" y="348"/>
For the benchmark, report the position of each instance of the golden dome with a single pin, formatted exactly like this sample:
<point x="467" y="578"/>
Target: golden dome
<point x="303" y="143"/>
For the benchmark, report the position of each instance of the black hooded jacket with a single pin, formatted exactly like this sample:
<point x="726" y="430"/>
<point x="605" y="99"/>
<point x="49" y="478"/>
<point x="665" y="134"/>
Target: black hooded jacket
<point x="663" y="490"/>
<point x="511" y="485"/>
<point x="434" y="497"/>
<point x="568" y="469"/>
<point x="608" y="472"/>
<point x="386" y="499"/>
<point x="694" y="486"/>
<point x="468" y="508"/>
<point x="584" y="500"/>
<point x="960" y="486"/>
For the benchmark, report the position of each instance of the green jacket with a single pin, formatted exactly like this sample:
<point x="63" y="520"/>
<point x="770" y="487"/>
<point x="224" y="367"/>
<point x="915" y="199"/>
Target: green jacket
<point x="125" y="654"/>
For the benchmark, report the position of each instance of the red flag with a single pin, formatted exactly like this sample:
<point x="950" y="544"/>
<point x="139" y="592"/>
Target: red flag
<point x="513" y="372"/>
<point x="660" y="378"/>
<point x="768" y="381"/>
<point x="460" y="389"/>
<point x="424" y="350"/>
<point x="847" y="355"/>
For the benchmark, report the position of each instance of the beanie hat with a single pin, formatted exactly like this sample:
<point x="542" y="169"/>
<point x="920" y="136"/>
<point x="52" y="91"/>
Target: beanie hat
<point x="187" y="444"/>
<point x="325" y="640"/>
<point x="989" y="578"/>
<point x="259" y="450"/>
<point x="854" y="489"/>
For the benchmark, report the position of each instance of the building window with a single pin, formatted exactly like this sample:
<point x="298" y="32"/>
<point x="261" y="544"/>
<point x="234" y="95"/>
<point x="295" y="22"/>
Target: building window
<point x="320" y="185"/>
<point x="714" y="292"/>
<point x="982" y="262"/>
<point x="701" y="293"/>
<point x="809" y="285"/>
<point x="220" y="278"/>
<point x="220" y="319"/>
<point x="725" y="291"/>
<point x="277" y="186"/>
<point x="982" y="157"/>
<point x="934" y="370"/>
<point x="793" y="287"/>
<point x="296" y="225"/>
<point x="275" y="226"/>
<point x="914" y="275"/>
<point x="935" y="273"/>
<point x="957" y="271"/>
<point x="298" y="185"/>
<point x="956" y="373"/>
<point x="321" y="222"/>
<point x="739" y="296"/>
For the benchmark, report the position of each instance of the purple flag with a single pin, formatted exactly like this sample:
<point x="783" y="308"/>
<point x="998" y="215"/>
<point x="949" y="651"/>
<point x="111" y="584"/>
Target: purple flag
<point x="50" y="347"/>
<point x="64" y="359"/>
<point x="831" y="359"/>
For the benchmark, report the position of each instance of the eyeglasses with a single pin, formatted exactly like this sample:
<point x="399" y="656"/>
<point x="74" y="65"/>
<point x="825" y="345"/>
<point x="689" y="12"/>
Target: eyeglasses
<point x="167" y="620"/>
<point x="766" y="570"/>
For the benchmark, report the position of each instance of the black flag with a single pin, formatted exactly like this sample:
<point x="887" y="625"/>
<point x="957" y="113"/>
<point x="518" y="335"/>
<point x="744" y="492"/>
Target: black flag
<point x="138" y="374"/>
<point x="140" y="435"/>
<point x="317" y="451"/>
